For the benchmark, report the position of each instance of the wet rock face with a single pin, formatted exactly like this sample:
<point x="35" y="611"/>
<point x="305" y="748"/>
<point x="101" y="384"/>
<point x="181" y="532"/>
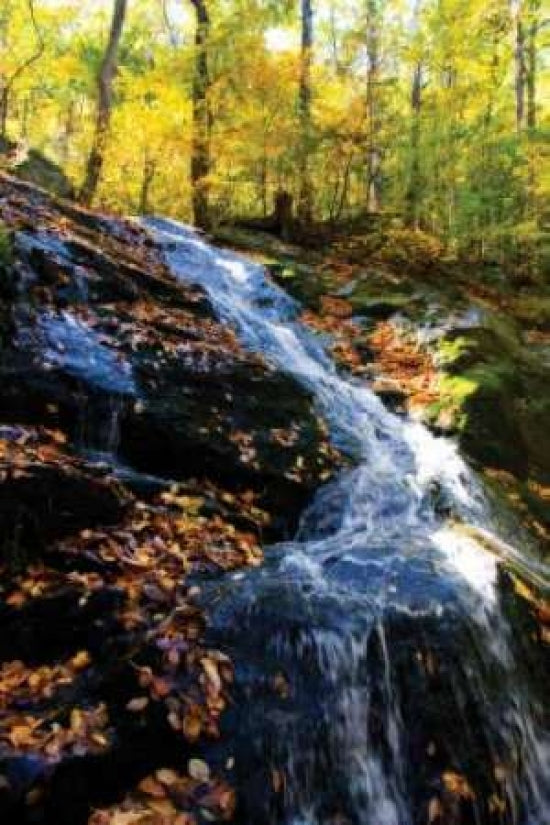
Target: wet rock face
<point x="139" y="445"/>
<point x="337" y="710"/>
<point x="45" y="495"/>
<point x="102" y="331"/>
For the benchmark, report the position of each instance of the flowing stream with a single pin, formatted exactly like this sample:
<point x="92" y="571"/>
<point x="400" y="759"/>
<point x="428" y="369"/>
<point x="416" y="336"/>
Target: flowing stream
<point x="387" y="674"/>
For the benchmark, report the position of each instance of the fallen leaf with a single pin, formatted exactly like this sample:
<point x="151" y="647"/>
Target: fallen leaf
<point x="167" y="777"/>
<point x="151" y="787"/>
<point x="199" y="770"/>
<point x="435" y="810"/>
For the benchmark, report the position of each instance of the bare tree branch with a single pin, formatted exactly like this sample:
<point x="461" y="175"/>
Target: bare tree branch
<point x="8" y="85"/>
<point x="168" y="23"/>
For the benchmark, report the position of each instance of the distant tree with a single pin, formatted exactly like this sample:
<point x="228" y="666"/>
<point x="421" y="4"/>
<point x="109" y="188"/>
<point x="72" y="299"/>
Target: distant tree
<point x="373" y="114"/>
<point x="521" y="66"/>
<point x="532" y="60"/>
<point x="413" y="193"/>
<point x="7" y="81"/>
<point x="105" y="79"/>
<point x="305" y="194"/>
<point x="202" y="119"/>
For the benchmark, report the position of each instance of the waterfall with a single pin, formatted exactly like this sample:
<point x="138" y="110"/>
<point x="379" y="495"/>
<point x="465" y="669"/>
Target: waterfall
<point x="409" y="683"/>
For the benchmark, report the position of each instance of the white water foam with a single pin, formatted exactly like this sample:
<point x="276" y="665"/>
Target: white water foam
<point x="376" y="542"/>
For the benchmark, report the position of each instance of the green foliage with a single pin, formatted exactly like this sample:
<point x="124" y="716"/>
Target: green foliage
<point x="479" y="185"/>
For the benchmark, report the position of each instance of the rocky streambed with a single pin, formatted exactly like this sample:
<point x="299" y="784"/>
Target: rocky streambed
<point x="208" y="612"/>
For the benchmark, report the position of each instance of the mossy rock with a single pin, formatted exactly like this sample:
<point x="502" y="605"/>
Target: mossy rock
<point x="38" y="169"/>
<point x="302" y="282"/>
<point x="490" y="429"/>
<point x="533" y="310"/>
<point x="382" y="306"/>
<point x="483" y="388"/>
<point x="534" y="418"/>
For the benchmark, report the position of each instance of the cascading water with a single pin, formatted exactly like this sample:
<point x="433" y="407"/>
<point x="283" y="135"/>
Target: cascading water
<point x="385" y="678"/>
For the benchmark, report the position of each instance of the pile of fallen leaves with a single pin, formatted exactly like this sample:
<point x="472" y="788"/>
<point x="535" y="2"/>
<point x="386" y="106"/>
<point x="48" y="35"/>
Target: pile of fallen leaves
<point x="159" y="543"/>
<point x="39" y="581"/>
<point x="334" y="320"/>
<point x="21" y="448"/>
<point x="77" y="733"/>
<point x="191" y="682"/>
<point x="410" y="366"/>
<point x="146" y="559"/>
<point x="56" y="731"/>
<point x="170" y="798"/>
<point x="21" y="683"/>
<point x="403" y="365"/>
<point x="201" y="344"/>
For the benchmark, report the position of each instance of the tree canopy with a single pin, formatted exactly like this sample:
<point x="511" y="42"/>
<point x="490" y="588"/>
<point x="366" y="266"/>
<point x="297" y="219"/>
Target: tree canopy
<point x="429" y="112"/>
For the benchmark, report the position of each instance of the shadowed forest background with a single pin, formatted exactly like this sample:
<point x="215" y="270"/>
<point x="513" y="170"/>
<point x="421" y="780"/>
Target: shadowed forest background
<point x="429" y="113"/>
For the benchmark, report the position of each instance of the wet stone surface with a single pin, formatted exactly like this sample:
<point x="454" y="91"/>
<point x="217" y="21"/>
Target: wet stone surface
<point x="161" y="418"/>
<point x="143" y="451"/>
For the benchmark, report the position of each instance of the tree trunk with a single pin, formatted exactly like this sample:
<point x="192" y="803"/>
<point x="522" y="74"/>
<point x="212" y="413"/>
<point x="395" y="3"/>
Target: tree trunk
<point x="413" y="192"/>
<point x="149" y="171"/>
<point x="305" y="197"/>
<point x="520" y="72"/>
<point x="7" y="83"/>
<point x="345" y="187"/>
<point x="283" y="214"/>
<point x="264" y="180"/>
<point x="26" y="109"/>
<point x="373" y="120"/>
<point x="68" y="131"/>
<point x="531" y="71"/>
<point x="105" y="79"/>
<point x="4" y="105"/>
<point x="3" y="78"/>
<point x="202" y="120"/>
<point x="531" y="86"/>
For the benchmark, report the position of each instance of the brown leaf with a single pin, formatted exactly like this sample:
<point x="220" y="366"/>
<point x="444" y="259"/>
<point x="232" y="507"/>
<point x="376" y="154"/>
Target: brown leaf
<point x="167" y="777"/>
<point x="160" y="688"/>
<point x="151" y="787"/>
<point x="214" y="682"/>
<point x="458" y="785"/>
<point x="192" y="727"/>
<point x="435" y="810"/>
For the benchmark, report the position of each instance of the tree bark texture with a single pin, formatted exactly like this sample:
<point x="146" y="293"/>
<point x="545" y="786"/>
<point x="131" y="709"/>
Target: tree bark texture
<point x="105" y="79"/>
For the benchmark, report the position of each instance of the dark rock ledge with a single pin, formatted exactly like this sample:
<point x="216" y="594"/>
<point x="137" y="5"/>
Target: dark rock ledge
<point x="142" y="450"/>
